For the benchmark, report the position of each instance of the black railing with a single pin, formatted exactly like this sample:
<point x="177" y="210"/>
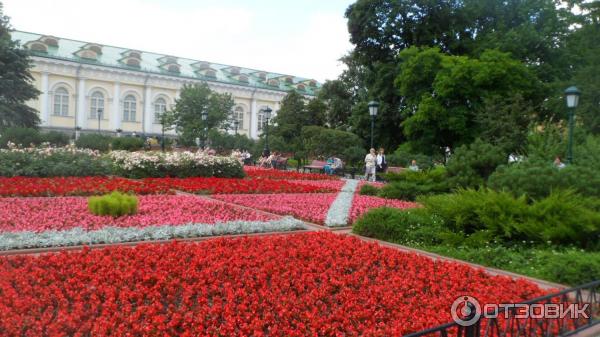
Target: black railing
<point x="510" y="321"/>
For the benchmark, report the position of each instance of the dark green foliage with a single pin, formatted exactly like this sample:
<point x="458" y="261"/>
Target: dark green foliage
<point x="354" y="156"/>
<point x="224" y="142"/>
<point x="16" y="86"/>
<point x="404" y="155"/>
<point x="367" y="189"/>
<point x="323" y="142"/>
<point x="115" y="204"/>
<point x="187" y="118"/>
<point x="408" y="185"/>
<point x="55" y="138"/>
<point x="408" y="226"/>
<point x="94" y="141"/>
<point x="562" y="218"/>
<point x="471" y="165"/>
<point x="25" y="137"/>
<point x="127" y="143"/>
<point x="59" y="164"/>
<point x="538" y="179"/>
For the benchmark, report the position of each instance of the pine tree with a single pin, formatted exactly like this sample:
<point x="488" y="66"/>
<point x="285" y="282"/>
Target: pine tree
<point x="15" y="81"/>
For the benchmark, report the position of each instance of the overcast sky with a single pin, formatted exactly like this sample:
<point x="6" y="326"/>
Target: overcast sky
<point x="298" y="37"/>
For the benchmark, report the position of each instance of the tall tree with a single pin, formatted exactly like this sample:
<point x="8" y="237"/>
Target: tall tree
<point x="193" y="100"/>
<point x="15" y="81"/>
<point x="338" y="99"/>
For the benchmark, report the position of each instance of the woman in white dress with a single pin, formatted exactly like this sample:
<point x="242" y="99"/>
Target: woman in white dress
<point x="370" y="164"/>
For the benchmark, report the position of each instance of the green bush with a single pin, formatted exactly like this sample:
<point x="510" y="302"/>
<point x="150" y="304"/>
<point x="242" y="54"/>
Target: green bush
<point x="403" y="156"/>
<point x="414" y="226"/>
<point x="94" y="141"/>
<point x="52" y="163"/>
<point x="325" y="142"/>
<point x="367" y="189"/>
<point x="115" y="204"/>
<point x="471" y="165"/>
<point x="55" y="138"/>
<point x="408" y="185"/>
<point x="127" y="143"/>
<point x="20" y="136"/>
<point x="537" y="179"/>
<point x="563" y="218"/>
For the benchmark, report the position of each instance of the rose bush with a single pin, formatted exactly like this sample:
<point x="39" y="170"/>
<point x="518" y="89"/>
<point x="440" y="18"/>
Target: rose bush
<point x="174" y="164"/>
<point x="311" y="284"/>
<point x="62" y="213"/>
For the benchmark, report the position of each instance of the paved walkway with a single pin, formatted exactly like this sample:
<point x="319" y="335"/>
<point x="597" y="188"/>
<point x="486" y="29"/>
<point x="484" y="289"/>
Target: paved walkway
<point x="340" y="208"/>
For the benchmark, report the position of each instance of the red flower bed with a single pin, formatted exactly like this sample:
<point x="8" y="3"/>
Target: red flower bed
<point x="64" y="186"/>
<point x="312" y="284"/>
<point x="62" y="213"/>
<point x="236" y="186"/>
<point x="257" y="172"/>
<point x="309" y="207"/>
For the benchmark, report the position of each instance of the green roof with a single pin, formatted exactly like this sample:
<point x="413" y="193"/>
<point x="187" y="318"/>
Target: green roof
<point x="116" y="57"/>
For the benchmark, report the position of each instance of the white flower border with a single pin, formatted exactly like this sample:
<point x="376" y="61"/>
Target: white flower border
<point x="338" y="213"/>
<point x="78" y="236"/>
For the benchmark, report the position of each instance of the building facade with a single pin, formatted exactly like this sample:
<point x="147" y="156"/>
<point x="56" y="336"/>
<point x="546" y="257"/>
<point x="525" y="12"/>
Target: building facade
<point x="90" y="87"/>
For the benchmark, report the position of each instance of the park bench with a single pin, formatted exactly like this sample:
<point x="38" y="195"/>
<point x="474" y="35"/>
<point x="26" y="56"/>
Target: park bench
<point x="314" y="165"/>
<point x="395" y="169"/>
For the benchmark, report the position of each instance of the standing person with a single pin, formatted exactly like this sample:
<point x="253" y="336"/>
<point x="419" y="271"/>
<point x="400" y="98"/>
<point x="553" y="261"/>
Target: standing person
<point x="381" y="161"/>
<point x="370" y="164"/>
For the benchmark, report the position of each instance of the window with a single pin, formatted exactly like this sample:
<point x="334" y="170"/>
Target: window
<point x="238" y="115"/>
<point x="160" y="106"/>
<point x="129" y="106"/>
<point x="97" y="105"/>
<point x="61" y="102"/>
<point x="262" y="118"/>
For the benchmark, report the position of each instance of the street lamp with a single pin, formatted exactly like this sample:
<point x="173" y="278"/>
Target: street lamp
<point x="204" y="116"/>
<point x="572" y="96"/>
<point x="99" y="114"/>
<point x="373" y="107"/>
<point x="267" y="114"/>
<point x="236" y="123"/>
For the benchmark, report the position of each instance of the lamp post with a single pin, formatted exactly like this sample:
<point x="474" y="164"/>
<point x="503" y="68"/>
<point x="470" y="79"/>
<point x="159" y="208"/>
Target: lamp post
<point x="267" y="113"/>
<point x="204" y="116"/>
<point x="99" y="115"/>
<point x="373" y="107"/>
<point x="572" y="96"/>
<point x="235" y="125"/>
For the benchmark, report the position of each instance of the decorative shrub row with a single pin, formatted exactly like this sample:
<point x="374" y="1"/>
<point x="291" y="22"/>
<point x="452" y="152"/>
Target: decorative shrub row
<point x="115" y="204"/>
<point x="174" y="164"/>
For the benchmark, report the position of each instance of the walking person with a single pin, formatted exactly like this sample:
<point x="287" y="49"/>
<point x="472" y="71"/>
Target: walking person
<point x="370" y="164"/>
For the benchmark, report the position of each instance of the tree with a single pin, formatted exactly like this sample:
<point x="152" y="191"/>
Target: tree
<point x="337" y="96"/>
<point x="445" y="94"/>
<point x="193" y="100"/>
<point x="15" y="81"/>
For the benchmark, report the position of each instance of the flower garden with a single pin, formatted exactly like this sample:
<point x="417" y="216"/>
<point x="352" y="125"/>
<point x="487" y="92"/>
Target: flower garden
<point x="302" y="275"/>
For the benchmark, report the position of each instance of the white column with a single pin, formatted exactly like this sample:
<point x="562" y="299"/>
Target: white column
<point x="116" y="107"/>
<point x="44" y="113"/>
<point x="253" y="120"/>
<point x="81" y="111"/>
<point x="148" y="115"/>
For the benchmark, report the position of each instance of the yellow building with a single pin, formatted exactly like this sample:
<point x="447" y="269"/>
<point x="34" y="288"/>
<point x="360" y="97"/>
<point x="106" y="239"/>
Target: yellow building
<point x="90" y="87"/>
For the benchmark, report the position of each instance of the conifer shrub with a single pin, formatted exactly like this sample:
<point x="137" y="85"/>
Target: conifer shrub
<point x="115" y="204"/>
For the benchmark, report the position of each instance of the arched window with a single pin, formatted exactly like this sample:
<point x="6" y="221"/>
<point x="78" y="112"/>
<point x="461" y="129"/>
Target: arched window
<point x="238" y="115"/>
<point x="97" y="105"/>
<point x="61" y="102"/>
<point x="129" y="107"/>
<point x="160" y="106"/>
<point x="262" y="118"/>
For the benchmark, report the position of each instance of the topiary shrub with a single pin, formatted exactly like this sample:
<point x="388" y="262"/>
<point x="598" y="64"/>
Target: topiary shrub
<point x="19" y="136"/>
<point x="94" y="141"/>
<point x="115" y="204"/>
<point x="127" y="143"/>
<point x="471" y="165"/>
<point x="408" y="185"/>
<point x="55" y="138"/>
<point x="367" y="189"/>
